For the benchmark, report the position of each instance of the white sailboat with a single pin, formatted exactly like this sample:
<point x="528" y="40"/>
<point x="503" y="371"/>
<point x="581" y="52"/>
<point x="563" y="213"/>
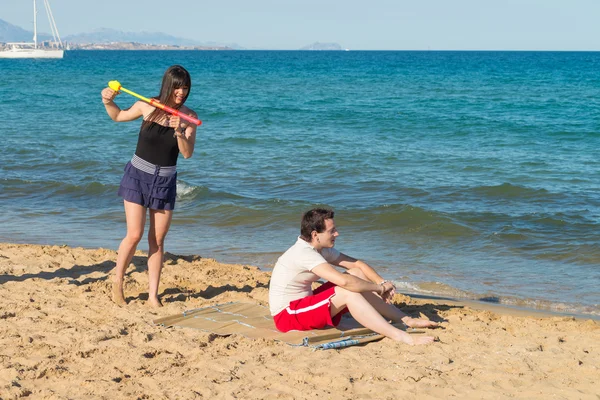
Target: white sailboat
<point x="54" y="49"/>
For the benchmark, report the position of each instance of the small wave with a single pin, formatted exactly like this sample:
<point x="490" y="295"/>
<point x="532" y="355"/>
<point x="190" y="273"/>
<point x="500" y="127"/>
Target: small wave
<point x="573" y="222"/>
<point x="229" y="209"/>
<point x="186" y="191"/>
<point x="214" y="114"/>
<point x="509" y="236"/>
<point x="509" y="191"/>
<point x="252" y="215"/>
<point x="82" y="165"/>
<point x="442" y="290"/>
<point x="410" y="219"/>
<point x="271" y="109"/>
<point x="88" y="189"/>
<point x="568" y="253"/>
<point x="240" y="140"/>
<point x="20" y="187"/>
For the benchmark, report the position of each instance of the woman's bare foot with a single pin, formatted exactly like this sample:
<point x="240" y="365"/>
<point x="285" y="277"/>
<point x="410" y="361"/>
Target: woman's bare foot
<point x="154" y="302"/>
<point x="117" y="294"/>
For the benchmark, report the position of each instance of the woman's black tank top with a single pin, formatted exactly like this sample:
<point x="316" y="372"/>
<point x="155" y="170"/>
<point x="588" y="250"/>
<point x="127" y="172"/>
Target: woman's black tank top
<point x="157" y="145"/>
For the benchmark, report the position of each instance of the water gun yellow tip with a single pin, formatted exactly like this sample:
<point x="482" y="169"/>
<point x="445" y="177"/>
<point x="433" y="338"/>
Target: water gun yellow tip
<point x="114" y="85"/>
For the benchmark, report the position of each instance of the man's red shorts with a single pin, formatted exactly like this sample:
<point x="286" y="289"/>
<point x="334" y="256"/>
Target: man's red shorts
<point x="310" y="312"/>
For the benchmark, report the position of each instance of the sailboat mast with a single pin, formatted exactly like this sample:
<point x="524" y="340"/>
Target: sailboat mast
<point x="53" y="28"/>
<point x="34" y="25"/>
<point x="53" y="49"/>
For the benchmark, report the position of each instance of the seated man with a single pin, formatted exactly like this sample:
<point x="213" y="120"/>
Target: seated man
<point x="360" y="290"/>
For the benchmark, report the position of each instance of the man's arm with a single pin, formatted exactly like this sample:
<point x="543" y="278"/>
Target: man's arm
<point x="348" y="262"/>
<point x="348" y="281"/>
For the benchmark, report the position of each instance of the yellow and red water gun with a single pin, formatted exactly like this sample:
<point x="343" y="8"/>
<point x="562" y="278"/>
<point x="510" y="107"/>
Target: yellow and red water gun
<point x="116" y="86"/>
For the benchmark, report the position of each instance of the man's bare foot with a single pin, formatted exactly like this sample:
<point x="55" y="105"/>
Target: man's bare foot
<point x="154" y="303"/>
<point x="420" y="323"/>
<point x="415" y="340"/>
<point x="117" y="295"/>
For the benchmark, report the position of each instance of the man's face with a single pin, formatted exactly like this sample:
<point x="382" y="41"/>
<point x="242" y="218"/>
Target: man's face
<point x="326" y="239"/>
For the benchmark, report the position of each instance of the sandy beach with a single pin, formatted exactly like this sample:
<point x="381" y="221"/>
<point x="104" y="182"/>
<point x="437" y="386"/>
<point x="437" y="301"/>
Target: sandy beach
<point x="62" y="337"/>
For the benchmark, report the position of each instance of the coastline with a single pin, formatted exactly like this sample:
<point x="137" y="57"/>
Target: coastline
<point x="62" y="337"/>
<point x="499" y="308"/>
<point x="469" y="224"/>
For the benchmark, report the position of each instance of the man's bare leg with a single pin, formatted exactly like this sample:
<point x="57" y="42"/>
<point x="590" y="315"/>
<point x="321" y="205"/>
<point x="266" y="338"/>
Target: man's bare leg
<point x="390" y="311"/>
<point x="369" y="317"/>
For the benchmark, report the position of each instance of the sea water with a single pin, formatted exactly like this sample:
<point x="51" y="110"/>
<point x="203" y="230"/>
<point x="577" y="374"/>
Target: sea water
<point x="461" y="174"/>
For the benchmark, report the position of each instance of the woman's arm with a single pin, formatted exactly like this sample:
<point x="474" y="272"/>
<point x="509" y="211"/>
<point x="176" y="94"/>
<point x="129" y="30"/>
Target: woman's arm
<point x="115" y="113"/>
<point x="185" y="133"/>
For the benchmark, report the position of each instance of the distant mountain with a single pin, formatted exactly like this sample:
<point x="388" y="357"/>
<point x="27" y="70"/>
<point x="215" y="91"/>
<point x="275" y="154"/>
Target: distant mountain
<point x="322" y="46"/>
<point x="13" y="33"/>
<point x="104" y="35"/>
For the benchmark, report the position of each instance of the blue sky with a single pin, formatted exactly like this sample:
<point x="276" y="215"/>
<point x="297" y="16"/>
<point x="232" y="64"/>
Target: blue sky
<point x="369" y="25"/>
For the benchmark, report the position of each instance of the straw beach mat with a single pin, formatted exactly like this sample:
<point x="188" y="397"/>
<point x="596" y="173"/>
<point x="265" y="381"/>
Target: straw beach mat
<point x="255" y="321"/>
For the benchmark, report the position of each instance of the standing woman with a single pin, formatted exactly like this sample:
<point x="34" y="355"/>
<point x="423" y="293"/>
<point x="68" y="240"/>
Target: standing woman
<point x="150" y="179"/>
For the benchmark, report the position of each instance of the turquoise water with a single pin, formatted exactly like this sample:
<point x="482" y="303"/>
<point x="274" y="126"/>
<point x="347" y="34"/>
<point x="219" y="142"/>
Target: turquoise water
<point x="470" y="174"/>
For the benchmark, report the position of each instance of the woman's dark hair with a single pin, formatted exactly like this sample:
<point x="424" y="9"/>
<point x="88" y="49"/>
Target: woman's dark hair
<point x="175" y="77"/>
<point x="314" y="220"/>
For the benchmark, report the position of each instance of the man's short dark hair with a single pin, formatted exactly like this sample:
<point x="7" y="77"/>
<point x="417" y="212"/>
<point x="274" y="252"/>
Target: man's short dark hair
<point x="314" y="220"/>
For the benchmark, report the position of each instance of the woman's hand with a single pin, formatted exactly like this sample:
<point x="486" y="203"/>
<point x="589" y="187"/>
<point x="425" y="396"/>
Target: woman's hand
<point x="174" y="121"/>
<point x="108" y="95"/>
